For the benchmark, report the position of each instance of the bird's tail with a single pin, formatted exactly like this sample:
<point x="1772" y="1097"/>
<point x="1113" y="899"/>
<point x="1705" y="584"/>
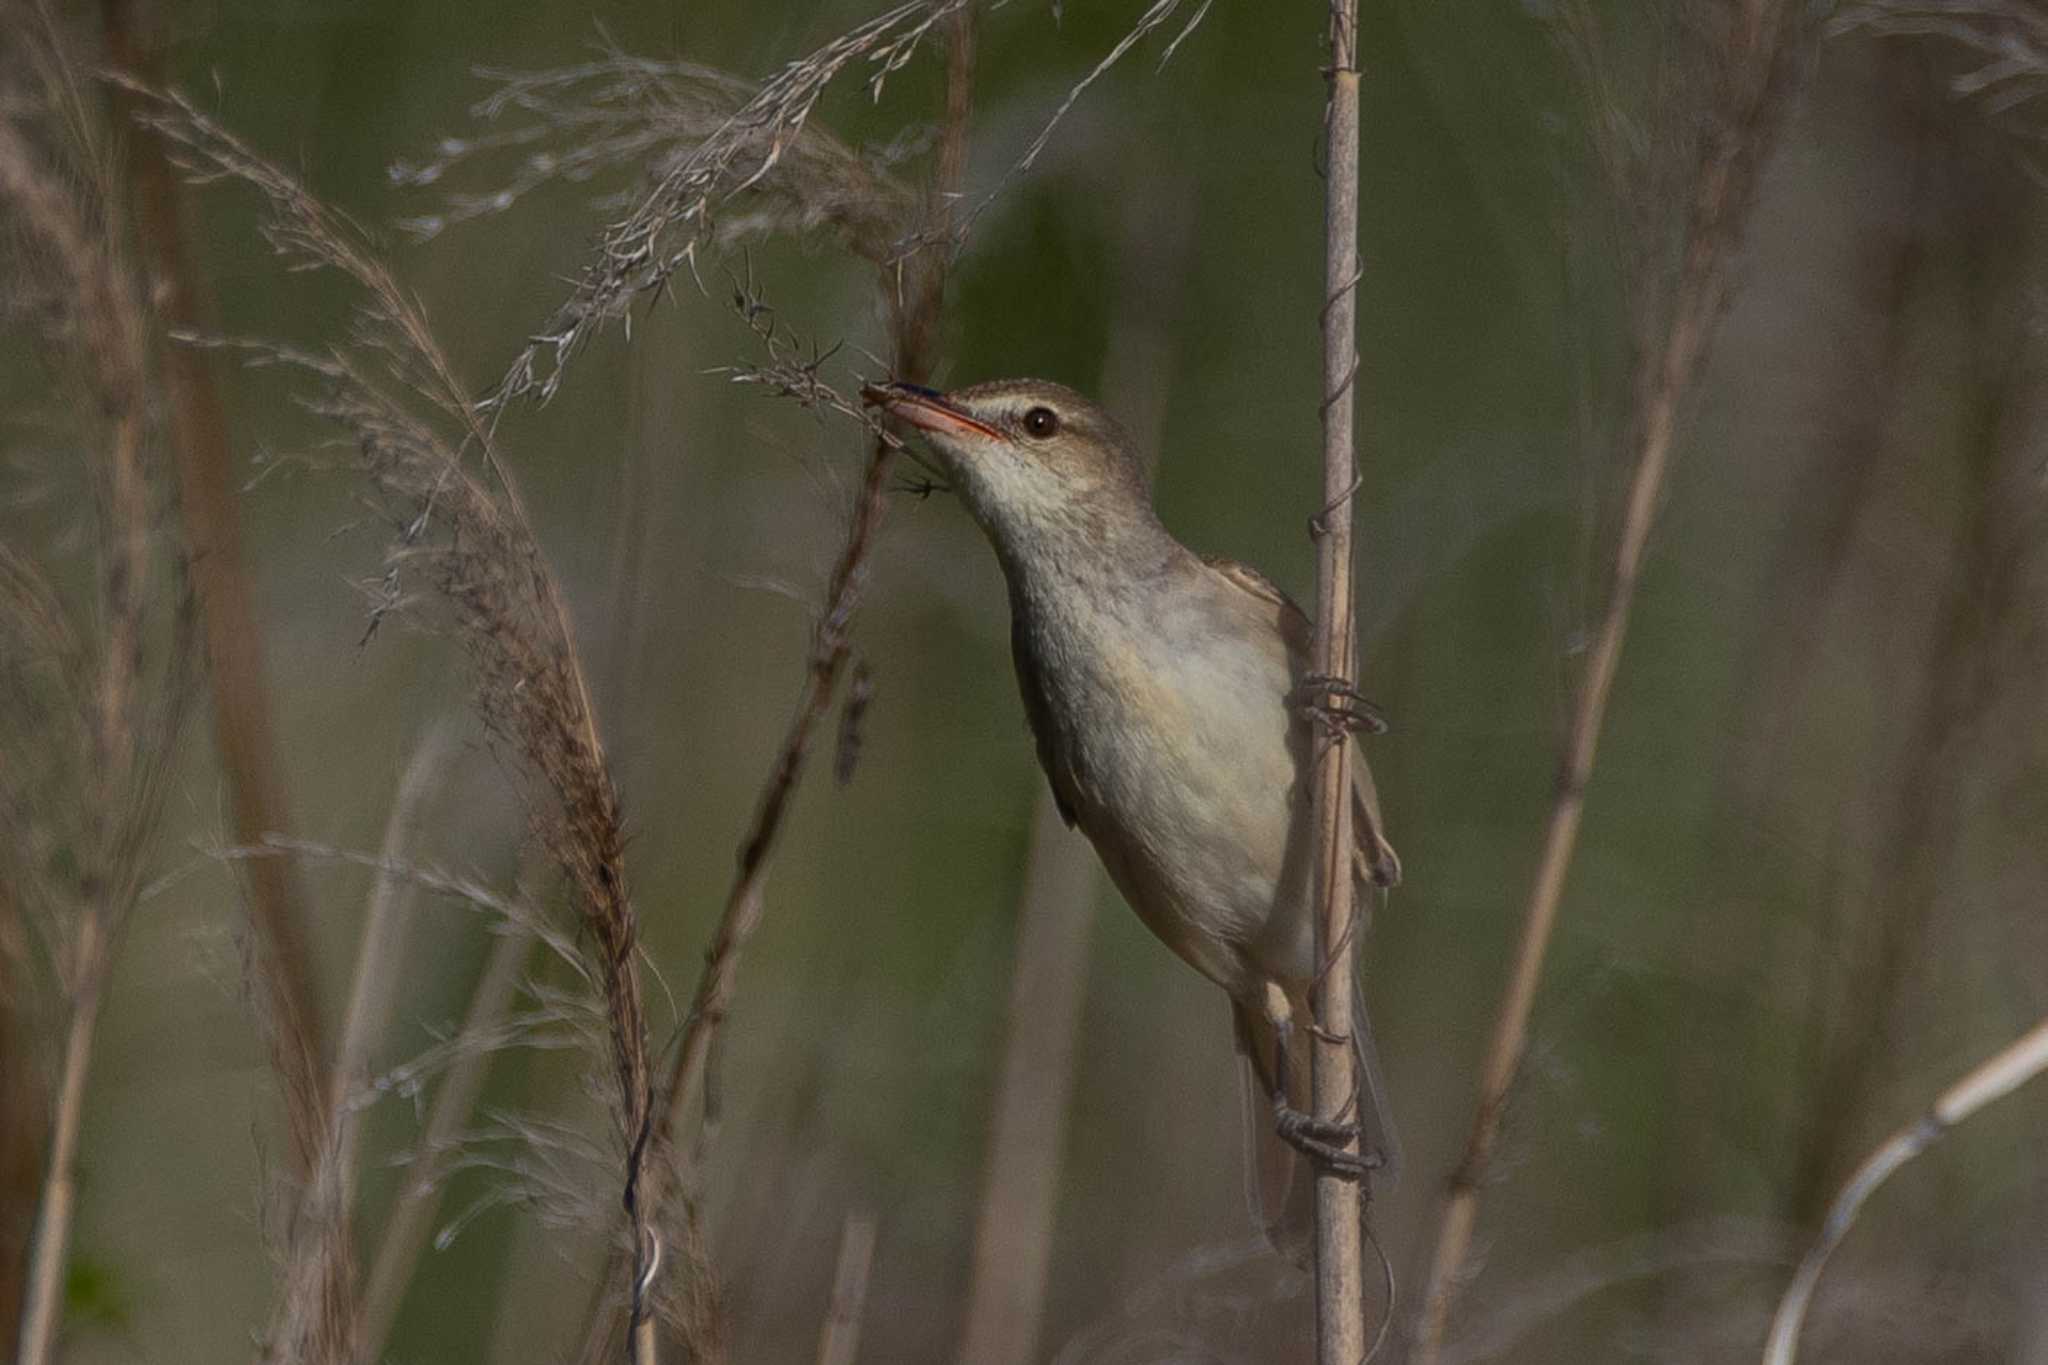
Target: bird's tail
<point x="1279" y="1185"/>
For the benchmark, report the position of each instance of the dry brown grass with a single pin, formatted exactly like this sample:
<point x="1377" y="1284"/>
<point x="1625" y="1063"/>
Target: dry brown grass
<point x="93" y="693"/>
<point x="723" y="160"/>
<point x="460" y="530"/>
<point x="239" y="690"/>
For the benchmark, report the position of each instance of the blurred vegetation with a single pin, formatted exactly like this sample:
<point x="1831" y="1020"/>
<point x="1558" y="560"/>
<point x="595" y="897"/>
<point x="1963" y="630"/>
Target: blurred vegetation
<point x="1809" y="890"/>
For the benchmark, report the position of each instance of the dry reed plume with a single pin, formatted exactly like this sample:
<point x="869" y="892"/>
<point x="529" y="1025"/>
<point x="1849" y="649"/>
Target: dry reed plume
<point x="726" y="161"/>
<point x="460" y="528"/>
<point x="707" y="143"/>
<point x="913" y="290"/>
<point x="92" y="693"/>
<point x="723" y="161"/>
<point x="682" y="166"/>
<point x="763" y="149"/>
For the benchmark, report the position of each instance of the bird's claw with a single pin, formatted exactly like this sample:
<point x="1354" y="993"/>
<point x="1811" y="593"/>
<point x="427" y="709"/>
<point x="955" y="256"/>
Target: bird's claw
<point x="1325" y="1143"/>
<point x="1333" y="703"/>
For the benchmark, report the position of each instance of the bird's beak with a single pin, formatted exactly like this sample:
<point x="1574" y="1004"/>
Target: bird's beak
<point x="926" y="409"/>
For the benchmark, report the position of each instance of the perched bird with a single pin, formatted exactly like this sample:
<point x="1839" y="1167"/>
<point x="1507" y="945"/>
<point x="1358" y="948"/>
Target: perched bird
<point x="1165" y="692"/>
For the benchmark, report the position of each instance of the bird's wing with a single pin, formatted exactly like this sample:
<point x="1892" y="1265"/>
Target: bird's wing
<point x="1377" y="863"/>
<point x="1057" y="770"/>
<point x="1295" y="628"/>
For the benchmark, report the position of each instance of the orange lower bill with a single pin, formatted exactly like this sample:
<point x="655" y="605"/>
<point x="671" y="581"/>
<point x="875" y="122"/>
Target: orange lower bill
<point x="926" y="411"/>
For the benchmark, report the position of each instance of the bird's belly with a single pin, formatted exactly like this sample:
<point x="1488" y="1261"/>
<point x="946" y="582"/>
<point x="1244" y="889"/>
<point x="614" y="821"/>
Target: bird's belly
<point x="1196" y="807"/>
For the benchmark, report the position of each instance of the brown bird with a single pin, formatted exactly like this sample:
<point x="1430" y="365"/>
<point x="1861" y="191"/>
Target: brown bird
<point x="1163" y="690"/>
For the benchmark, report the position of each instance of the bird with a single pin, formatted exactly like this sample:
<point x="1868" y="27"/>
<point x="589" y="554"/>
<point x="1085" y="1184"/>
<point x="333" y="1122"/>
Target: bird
<point x="1165" y="692"/>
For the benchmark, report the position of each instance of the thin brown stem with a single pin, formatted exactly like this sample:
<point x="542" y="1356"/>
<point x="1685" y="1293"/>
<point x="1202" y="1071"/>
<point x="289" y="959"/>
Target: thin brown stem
<point x="1013" y="1231"/>
<point x="129" y="713"/>
<point x="317" y="1316"/>
<point x="913" y="291"/>
<point x="412" y="1213"/>
<point x="387" y="925"/>
<point x="1341" y="1334"/>
<point x="1991" y="1080"/>
<point x="744" y="901"/>
<point x="24" y="1103"/>
<point x="44" y="1299"/>
<point x="915" y="299"/>
<point x="839" y="1337"/>
<point x="1721" y="193"/>
<point x="220" y="580"/>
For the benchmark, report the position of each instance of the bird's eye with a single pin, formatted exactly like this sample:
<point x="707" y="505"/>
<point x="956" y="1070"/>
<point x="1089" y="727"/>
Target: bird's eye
<point x="1041" y="422"/>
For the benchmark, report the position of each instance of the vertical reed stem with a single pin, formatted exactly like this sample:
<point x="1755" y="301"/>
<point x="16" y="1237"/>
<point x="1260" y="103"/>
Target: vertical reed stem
<point x="1340" y="1279"/>
<point x="42" y="1306"/>
<point x="1756" y="67"/>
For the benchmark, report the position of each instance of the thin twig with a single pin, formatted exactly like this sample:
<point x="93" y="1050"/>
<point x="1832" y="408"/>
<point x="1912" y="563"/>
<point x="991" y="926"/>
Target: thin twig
<point x="412" y="1214"/>
<point x="667" y="225"/>
<point x="839" y="1337"/>
<point x="1759" y="59"/>
<point x="915" y="320"/>
<point x="512" y="910"/>
<point x="1341" y="1335"/>
<point x="1989" y="1081"/>
<point x="914" y="323"/>
<point x="386" y="923"/>
<point x="45" y="1293"/>
<point x="257" y="797"/>
<point x="316" y="1315"/>
<point x="913" y="290"/>
<point x="1020" y="1181"/>
<point x="1154" y="16"/>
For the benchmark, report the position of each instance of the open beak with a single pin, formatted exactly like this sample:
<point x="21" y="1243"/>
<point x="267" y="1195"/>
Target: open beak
<point x="926" y="409"/>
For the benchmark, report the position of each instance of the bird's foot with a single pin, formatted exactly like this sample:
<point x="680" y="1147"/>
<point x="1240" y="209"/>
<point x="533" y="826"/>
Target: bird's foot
<point x="1325" y="1143"/>
<point x="1336" y="705"/>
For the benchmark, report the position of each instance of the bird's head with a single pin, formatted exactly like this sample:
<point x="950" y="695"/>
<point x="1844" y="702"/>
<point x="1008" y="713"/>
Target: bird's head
<point x="1033" y="460"/>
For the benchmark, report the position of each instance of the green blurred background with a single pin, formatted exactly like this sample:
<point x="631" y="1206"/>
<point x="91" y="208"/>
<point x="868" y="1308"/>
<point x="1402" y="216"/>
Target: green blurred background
<point x="1809" y="888"/>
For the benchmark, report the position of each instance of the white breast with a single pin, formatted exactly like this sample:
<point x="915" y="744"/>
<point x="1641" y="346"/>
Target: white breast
<point x="1184" y="756"/>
